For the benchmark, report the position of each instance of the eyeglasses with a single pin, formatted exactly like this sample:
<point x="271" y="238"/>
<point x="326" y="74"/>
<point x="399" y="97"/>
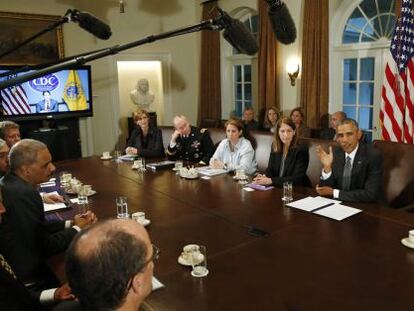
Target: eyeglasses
<point x="155" y="255"/>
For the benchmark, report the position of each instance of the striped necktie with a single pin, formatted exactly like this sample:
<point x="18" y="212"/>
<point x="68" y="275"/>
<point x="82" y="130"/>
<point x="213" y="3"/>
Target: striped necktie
<point x="6" y="266"/>
<point x="346" y="179"/>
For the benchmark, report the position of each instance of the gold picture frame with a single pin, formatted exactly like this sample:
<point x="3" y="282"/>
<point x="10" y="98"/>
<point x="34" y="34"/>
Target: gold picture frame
<point x="17" y="27"/>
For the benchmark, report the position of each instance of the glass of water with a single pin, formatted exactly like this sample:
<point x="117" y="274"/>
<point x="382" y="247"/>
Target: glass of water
<point x="199" y="262"/>
<point x="287" y="191"/>
<point x="83" y="192"/>
<point x="122" y="208"/>
<point x="178" y="165"/>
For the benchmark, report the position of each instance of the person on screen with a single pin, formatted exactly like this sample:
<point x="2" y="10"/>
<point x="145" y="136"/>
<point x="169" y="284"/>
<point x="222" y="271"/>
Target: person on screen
<point x="288" y="161"/>
<point x="145" y="140"/>
<point x="235" y="151"/>
<point x="47" y="104"/>
<point x="10" y="132"/>
<point x="110" y="265"/>
<point x="352" y="172"/>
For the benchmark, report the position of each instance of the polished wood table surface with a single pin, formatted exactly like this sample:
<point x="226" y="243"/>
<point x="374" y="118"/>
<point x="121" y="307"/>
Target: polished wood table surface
<point x="305" y="262"/>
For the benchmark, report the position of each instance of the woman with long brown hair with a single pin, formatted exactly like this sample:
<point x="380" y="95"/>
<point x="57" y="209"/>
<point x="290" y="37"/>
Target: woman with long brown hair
<point x="288" y="160"/>
<point x="235" y="151"/>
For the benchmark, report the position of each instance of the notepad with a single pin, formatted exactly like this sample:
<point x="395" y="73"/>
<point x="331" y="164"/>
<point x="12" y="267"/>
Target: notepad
<point x="208" y="171"/>
<point x="338" y="211"/>
<point x="308" y="204"/>
<point x="53" y="207"/>
<point x="259" y="187"/>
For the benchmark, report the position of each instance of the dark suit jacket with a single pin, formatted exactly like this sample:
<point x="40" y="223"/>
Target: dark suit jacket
<point x="40" y="106"/>
<point x="26" y="238"/>
<point x="155" y="146"/>
<point x="296" y="164"/>
<point x="195" y="148"/>
<point x="366" y="176"/>
<point x="14" y="296"/>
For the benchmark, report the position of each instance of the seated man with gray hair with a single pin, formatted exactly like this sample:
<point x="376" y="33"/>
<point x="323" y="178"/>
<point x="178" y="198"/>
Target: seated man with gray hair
<point x="110" y="265"/>
<point x="26" y="238"/>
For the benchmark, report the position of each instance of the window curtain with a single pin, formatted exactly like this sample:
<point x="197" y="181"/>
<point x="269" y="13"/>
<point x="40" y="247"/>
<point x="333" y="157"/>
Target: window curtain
<point x="315" y="61"/>
<point x="268" y="94"/>
<point x="210" y="83"/>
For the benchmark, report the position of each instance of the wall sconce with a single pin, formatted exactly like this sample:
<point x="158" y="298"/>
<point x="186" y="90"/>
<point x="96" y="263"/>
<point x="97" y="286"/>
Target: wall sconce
<point x="293" y="68"/>
<point x="121" y="6"/>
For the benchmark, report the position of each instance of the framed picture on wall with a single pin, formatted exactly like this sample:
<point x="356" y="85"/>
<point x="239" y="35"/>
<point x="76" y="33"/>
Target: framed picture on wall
<point x="17" y="27"/>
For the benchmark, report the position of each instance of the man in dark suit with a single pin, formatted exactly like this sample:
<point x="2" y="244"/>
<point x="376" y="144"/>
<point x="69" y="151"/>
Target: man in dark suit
<point x="352" y="172"/>
<point x="190" y="143"/>
<point x="250" y="124"/>
<point x="14" y="296"/>
<point x="335" y="119"/>
<point x="47" y="104"/>
<point x="26" y="238"/>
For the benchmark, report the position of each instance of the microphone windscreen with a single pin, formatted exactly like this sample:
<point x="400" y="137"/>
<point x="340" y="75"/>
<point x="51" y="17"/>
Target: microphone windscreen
<point x="237" y="34"/>
<point x="93" y="25"/>
<point x="282" y="23"/>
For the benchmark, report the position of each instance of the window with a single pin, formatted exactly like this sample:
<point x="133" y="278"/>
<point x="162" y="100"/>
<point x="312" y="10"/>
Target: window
<point x="365" y="39"/>
<point x="239" y="87"/>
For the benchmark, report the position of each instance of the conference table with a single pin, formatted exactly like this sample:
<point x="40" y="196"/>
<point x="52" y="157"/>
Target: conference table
<point x="303" y="261"/>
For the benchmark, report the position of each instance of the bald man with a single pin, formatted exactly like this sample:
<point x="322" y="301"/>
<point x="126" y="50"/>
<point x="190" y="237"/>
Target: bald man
<point x="190" y="143"/>
<point x="110" y="265"/>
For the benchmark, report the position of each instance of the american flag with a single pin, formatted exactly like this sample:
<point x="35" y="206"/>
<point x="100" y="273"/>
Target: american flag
<point x="14" y="100"/>
<point x="397" y="105"/>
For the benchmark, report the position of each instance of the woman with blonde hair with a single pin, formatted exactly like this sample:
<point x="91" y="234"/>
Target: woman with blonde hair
<point x="145" y="140"/>
<point x="235" y="151"/>
<point x="270" y="119"/>
<point x="288" y="161"/>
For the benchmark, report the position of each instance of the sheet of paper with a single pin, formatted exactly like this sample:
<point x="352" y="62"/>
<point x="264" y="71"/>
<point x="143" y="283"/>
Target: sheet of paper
<point x="74" y="200"/>
<point x="248" y="189"/>
<point x="53" y="207"/>
<point x="308" y="204"/>
<point x="338" y="211"/>
<point x="206" y="170"/>
<point x="156" y="284"/>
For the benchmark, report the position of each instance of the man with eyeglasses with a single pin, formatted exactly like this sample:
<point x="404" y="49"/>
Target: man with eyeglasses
<point x="110" y="265"/>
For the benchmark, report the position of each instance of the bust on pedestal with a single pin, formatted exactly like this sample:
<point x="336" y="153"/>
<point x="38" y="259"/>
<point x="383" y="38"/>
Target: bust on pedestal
<point x="142" y="96"/>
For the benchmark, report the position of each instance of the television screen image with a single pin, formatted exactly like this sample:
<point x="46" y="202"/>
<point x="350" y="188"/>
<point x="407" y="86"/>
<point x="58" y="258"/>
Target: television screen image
<point x="65" y="93"/>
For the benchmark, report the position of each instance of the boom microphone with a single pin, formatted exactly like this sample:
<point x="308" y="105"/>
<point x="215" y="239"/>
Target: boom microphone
<point x="236" y="34"/>
<point x="282" y="22"/>
<point x="91" y="24"/>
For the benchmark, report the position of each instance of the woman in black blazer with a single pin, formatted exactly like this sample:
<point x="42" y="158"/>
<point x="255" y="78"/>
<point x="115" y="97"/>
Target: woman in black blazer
<point x="145" y="140"/>
<point x="288" y="161"/>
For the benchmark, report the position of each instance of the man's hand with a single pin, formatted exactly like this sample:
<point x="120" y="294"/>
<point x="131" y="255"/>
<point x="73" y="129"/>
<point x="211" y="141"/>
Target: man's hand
<point x="325" y="158"/>
<point x="175" y="136"/>
<point x="63" y="293"/>
<point x="131" y="150"/>
<point x="84" y="220"/>
<point x="262" y="180"/>
<point x="52" y="198"/>
<point x="324" y="191"/>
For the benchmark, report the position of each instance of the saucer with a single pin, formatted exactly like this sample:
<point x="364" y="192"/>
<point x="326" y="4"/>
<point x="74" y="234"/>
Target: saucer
<point x="70" y="191"/>
<point x="145" y="223"/>
<point x="106" y="158"/>
<point x="406" y="242"/>
<point x="190" y="176"/>
<point x="92" y="192"/>
<point x="184" y="262"/>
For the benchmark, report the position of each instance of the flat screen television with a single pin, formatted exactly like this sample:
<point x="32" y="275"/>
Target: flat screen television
<point x="62" y="94"/>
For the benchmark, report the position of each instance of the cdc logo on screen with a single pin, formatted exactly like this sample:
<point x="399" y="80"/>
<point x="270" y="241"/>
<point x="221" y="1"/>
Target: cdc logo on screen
<point x="45" y="83"/>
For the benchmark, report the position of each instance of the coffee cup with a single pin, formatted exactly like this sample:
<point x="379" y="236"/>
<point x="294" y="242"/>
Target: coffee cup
<point x="106" y="154"/>
<point x="411" y="236"/>
<point x="139" y="217"/>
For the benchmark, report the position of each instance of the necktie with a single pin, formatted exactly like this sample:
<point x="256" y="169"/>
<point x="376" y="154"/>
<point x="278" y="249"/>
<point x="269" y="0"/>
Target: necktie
<point x="47" y="106"/>
<point x="6" y="266"/>
<point x="346" y="179"/>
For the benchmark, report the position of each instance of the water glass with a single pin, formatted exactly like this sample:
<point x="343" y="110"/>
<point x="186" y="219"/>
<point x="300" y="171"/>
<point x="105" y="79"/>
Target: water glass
<point x="83" y="192"/>
<point x="242" y="177"/>
<point x="199" y="262"/>
<point x="117" y="155"/>
<point x="122" y="208"/>
<point x="141" y="164"/>
<point x="287" y="191"/>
